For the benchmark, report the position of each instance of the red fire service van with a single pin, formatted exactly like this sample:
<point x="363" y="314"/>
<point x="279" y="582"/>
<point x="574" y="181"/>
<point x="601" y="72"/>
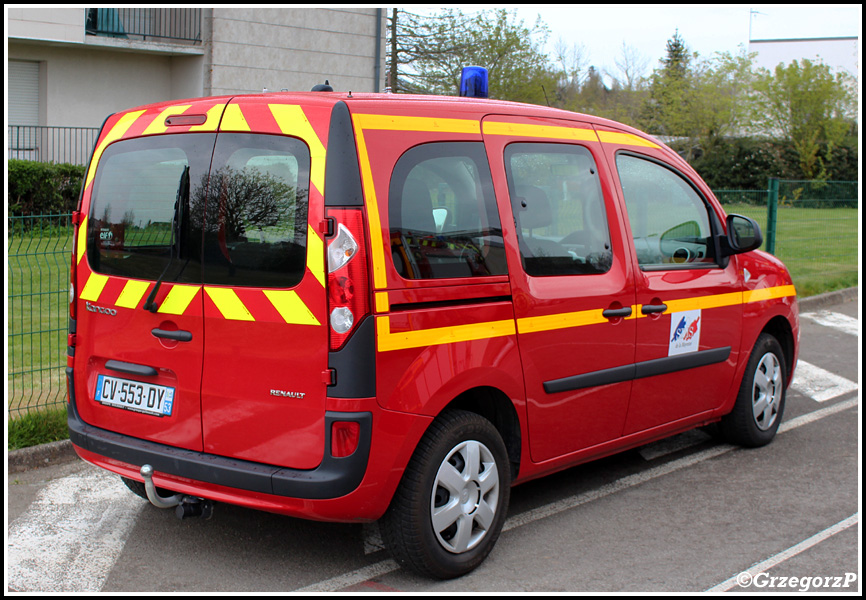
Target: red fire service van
<point x="358" y="307"/>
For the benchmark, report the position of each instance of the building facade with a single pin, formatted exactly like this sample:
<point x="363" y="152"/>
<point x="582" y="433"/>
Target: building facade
<point x="69" y="68"/>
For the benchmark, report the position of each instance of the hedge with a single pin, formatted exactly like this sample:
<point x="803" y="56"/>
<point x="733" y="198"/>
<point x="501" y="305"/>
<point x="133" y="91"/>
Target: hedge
<point x="37" y="188"/>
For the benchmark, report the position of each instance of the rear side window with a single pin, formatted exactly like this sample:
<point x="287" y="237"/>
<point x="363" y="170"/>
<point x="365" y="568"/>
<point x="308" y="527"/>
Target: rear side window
<point x="558" y="209"/>
<point x="442" y="213"/>
<point x="160" y="209"/>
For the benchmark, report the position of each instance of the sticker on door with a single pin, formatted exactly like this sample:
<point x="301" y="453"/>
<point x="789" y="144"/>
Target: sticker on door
<point x="685" y="332"/>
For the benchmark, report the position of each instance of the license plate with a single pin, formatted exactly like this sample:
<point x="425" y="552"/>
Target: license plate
<point x="135" y="395"/>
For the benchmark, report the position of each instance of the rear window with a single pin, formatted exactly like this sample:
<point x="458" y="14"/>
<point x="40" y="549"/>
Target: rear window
<point x="159" y="208"/>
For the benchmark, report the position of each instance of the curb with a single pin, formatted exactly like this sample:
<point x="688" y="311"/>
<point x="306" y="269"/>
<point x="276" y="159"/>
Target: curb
<point x="828" y="299"/>
<point x="62" y="451"/>
<point x="34" y="457"/>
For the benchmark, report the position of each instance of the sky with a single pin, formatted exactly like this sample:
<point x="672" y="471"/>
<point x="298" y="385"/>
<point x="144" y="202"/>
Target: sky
<point x="601" y="29"/>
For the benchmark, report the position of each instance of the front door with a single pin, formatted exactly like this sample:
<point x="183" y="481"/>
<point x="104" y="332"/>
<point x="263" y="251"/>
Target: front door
<point x="572" y="282"/>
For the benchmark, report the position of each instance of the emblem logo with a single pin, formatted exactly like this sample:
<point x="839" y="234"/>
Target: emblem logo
<point x="100" y="309"/>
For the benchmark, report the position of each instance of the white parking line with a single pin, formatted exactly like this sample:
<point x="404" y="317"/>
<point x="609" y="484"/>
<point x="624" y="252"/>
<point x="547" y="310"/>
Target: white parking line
<point x="818" y="384"/>
<point x="72" y="534"/>
<point x="838" y="321"/>
<point x="746" y="577"/>
<point x="387" y="566"/>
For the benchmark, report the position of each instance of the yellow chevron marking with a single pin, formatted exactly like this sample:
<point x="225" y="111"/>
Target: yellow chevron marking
<point x="291" y="307"/>
<point x="132" y="293"/>
<point x="94" y="286"/>
<point x="213" y="119"/>
<point x="292" y="121"/>
<point x="315" y="255"/>
<point x="158" y="124"/>
<point x="229" y="304"/>
<point x="234" y="120"/>
<point x="120" y="128"/>
<point x="82" y="240"/>
<point x="177" y="300"/>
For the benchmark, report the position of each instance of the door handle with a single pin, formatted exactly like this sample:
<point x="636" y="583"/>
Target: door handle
<point x="178" y="336"/>
<point x="649" y="309"/>
<point x="131" y="368"/>
<point x="614" y="313"/>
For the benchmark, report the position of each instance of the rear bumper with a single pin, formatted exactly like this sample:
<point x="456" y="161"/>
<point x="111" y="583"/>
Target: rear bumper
<point x="333" y="478"/>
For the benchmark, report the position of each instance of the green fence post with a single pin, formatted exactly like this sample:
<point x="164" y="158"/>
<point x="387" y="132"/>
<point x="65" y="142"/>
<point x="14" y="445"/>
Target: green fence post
<point x="772" y="205"/>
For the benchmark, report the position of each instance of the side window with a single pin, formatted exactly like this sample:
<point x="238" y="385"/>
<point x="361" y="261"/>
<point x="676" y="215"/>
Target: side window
<point x="558" y="209"/>
<point x="669" y="220"/>
<point x="442" y="213"/>
<point x="255" y="231"/>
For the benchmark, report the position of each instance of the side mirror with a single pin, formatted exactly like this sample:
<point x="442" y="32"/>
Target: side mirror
<point x="744" y="234"/>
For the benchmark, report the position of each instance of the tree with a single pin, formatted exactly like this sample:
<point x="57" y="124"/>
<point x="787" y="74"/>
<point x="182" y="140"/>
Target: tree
<point x="428" y="54"/>
<point x="667" y="111"/>
<point x="804" y="102"/>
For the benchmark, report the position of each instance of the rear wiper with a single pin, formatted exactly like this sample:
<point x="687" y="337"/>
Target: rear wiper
<point x="181" y="200"/>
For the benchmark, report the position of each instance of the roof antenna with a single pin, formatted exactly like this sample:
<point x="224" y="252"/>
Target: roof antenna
<point x="545" y="95"/>
<point x="322" y="87"/>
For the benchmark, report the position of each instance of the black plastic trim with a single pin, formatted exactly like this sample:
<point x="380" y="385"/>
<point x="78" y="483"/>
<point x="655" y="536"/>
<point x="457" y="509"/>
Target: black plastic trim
<point x="342" y="173"/>
<point x="131" y="368"/>
<point x="333" y="478"/>
<point x="354" y="365"/>
<point x="649" y="368"/>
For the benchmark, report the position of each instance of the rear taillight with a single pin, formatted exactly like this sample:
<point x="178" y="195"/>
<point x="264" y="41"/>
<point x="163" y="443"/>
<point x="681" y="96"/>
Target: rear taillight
<point x="348" y="291"/>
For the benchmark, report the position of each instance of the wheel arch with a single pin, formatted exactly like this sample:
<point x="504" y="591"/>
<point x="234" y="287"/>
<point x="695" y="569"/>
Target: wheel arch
<point x="780" y="328"/>
<point x="495" y="406"/>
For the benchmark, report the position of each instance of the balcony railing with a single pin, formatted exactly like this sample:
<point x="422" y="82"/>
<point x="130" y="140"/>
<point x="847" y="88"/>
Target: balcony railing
<point x="51" y="144"/>
<point x="172" y="24"/>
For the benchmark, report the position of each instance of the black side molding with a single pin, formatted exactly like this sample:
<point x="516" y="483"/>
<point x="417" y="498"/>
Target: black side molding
<point x="649" y="368"/>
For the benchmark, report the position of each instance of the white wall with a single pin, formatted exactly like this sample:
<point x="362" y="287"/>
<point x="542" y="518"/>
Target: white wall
<point x="837" y="53"/>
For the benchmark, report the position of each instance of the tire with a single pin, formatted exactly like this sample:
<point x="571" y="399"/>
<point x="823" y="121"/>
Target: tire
<point x="450" y="506"/>
<point x="760" y="403"/>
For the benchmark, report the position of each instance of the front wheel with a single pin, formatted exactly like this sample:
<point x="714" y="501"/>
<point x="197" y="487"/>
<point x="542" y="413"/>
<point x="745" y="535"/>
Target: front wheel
<point x="760" y="403"/>
<point x="450" y="506"/>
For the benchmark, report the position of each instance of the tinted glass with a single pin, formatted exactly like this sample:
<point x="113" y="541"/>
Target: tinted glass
<point x="442" y="214"/>
<point x="157" y="211"/>
<point x="558" y="209"/>
<point x="256" y="211"/>
<point x="669" y="220"/>
<point x="140" y="218"/>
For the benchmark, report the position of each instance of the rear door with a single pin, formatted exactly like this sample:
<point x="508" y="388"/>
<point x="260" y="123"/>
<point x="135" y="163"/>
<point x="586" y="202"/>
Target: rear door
<point x="572" y="281"/>
<point x="139" y="334"/>
<point x="265" y="340"/>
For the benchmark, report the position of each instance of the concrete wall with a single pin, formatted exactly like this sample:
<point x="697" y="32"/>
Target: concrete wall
<point x="294" y="49"/>
<point x="59" y="24"/>
<point x="80" y="85"/>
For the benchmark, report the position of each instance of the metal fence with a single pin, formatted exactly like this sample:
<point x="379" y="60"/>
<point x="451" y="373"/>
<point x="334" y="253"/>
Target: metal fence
<point x="51" y="144"/>
<point x="814" y="231"/>
<point x="39" y="254"/>
<point x="145" y="23"/>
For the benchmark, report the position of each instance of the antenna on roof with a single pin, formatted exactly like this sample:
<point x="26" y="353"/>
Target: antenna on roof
<point x="322" y="87"/>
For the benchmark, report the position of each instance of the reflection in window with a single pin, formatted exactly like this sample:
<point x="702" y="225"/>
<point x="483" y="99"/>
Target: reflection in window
<point x="558" y="209"/>
<point x="669" y="220"/>
<point x="442" y="214"/>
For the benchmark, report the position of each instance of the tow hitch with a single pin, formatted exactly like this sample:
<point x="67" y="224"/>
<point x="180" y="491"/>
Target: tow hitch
<point x="184" y="506"/>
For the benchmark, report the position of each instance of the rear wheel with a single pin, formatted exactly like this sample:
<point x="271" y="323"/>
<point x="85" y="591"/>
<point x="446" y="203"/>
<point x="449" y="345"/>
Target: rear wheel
<point x="450" y="506"/>
<point x="760" y="404"/>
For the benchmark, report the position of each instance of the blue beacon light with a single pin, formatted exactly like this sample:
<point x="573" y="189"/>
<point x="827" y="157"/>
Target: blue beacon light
<point x="473" y="82"/>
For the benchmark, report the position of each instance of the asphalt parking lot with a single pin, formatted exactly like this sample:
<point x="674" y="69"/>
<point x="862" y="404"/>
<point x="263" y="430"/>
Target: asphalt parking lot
<point x="687" y="514"/>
